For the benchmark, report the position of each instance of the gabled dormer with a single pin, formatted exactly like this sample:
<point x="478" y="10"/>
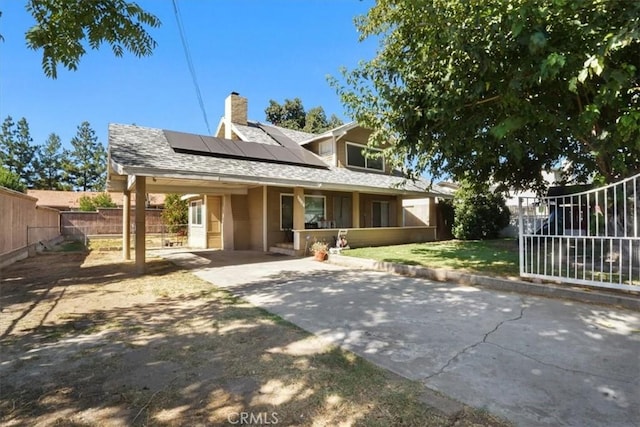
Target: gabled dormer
<point x="343" y="147"/>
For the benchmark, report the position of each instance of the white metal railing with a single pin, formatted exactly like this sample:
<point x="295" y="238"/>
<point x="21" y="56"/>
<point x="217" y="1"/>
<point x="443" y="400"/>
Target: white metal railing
<point x="590" y="238"/>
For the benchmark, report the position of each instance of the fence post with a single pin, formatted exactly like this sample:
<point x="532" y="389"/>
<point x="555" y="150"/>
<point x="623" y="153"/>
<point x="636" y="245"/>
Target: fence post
<point x="520" y="235"/>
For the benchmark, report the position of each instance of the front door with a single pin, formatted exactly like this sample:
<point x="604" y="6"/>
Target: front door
<point x="214" y="222"/>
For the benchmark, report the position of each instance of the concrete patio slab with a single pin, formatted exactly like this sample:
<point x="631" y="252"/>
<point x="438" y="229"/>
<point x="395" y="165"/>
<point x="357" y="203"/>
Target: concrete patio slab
<point x="533" y="360"/>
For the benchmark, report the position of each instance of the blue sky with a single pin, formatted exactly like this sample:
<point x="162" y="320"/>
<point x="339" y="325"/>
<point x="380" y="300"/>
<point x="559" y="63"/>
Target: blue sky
<point x="264" y="50"/>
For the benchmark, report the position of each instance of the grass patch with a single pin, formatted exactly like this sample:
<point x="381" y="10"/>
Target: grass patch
<point x="488" y="257"/>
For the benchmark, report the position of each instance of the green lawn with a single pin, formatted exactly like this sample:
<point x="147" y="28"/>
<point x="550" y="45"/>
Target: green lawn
<point x="490" y="257"/>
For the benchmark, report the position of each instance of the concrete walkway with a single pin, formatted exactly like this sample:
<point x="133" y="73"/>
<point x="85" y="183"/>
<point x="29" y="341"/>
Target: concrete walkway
<point x="533" y="360"/>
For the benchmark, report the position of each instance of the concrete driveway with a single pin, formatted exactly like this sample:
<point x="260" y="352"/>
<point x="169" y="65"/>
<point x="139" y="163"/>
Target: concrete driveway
<point x="532" y="360"/>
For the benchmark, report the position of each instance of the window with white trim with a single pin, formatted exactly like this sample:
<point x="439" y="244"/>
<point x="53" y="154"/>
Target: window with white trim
<point x="356" y="157"/>
<point x="196" y="212"/>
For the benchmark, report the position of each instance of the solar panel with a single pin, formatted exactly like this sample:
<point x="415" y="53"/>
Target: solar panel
<point x="243" y="150"/>
<point x="186" y="141"/>
<point x="303" y="154"/>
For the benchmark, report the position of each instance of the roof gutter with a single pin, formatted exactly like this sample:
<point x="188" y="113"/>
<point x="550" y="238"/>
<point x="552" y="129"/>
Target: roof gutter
<point x="278" y="182"/>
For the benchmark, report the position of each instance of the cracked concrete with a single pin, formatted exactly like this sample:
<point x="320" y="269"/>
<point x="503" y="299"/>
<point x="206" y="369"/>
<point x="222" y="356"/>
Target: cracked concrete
<point x="484" y="340"/>
<point x="534" y="360"/>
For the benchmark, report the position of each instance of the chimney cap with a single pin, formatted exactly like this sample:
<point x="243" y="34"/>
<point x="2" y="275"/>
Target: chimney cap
<point x="234" y="93"/>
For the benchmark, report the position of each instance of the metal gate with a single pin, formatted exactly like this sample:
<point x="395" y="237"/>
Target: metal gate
<point x="588" y="238"/>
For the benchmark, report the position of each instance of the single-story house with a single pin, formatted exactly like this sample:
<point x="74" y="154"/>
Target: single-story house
<point x="256" y="186"/>
<point x="70" y="200"/>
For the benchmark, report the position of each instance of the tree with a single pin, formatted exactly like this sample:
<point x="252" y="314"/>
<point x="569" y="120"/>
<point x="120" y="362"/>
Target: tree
<point x="48" y="164"/>
<point x="103" y="200"/>
<point x="291" y="115"/>
<point x="90" y="204"/>
<point x="86" y="164"/>
<point x="65" y="28"/>
<point x="176" y="213"/>
<point x="11" y="180"/>
<point x="502" y="89"/>
<point x="16" y="150"/>
<point x="478" y="213"/>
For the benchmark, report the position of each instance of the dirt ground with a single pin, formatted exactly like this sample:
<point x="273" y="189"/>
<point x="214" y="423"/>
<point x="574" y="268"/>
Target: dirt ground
<point x="85" y="341"/>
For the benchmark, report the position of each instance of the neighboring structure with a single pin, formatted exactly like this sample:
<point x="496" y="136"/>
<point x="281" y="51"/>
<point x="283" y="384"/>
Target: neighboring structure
<point x="70" y="200"/>
<point x="256" y="186"/>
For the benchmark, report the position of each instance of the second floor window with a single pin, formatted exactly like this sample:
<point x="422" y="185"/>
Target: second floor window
<point x="356" y="157"/>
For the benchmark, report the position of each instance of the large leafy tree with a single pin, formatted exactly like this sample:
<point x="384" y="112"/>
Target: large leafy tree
<point x="48" y="164"/>
<point x="502" y="89"/>
<point x="292" y="115"/>
<point x="65" y="28"/>
<point x="16" y="150"/>
<point x="86" y="163"/>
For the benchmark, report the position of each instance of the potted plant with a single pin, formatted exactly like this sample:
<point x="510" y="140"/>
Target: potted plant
<point x="320" y="250"/>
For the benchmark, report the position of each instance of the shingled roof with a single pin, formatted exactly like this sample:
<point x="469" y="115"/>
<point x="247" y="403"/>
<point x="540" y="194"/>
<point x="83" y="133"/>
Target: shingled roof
<point x="135" y="150"/>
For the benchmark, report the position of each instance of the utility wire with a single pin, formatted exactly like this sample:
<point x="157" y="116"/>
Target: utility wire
<point x="187" y="55"/>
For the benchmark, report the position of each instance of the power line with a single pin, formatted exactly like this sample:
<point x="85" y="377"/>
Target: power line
<point x="192" y="70"/>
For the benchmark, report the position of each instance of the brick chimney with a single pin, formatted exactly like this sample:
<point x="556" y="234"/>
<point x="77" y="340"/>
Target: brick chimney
<point x="235" y="111"/>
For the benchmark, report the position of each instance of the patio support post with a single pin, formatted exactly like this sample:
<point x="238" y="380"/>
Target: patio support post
<point x="140" y="224"/>
<point x="298" y="208"/>
<point x="298" y="216"/>
<point x="399" y="212"/>
<point x="355" y="213"/>
<point x="126" y="225"/>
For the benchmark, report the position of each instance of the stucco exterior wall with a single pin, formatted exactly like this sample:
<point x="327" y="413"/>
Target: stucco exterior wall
<point x="254" y="199"/>
<point x="365" y="237"/>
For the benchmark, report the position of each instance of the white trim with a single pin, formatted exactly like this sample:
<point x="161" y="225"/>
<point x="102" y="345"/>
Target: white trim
<point x="193" y="206"/>
<point x="338" y="131"/>
<point x="239" y="133"/>
<point x="346" y="155"/>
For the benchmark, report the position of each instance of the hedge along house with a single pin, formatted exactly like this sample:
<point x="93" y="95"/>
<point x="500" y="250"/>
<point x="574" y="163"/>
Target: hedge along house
<point x="259" y="187"/>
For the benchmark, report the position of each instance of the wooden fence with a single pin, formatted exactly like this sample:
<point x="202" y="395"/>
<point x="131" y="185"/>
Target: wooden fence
<point x="23" y="225"/>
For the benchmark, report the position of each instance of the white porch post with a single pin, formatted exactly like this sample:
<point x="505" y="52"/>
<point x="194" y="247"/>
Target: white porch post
<point x="126" y="225"/>
<point x="140" y="224"/>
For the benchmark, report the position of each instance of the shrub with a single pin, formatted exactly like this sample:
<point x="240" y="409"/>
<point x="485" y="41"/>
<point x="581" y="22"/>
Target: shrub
<point x="103" y="200"/>
<point x="479" y="213"/>
<point x="176" y="213"/>
<point x="86" y="204"/>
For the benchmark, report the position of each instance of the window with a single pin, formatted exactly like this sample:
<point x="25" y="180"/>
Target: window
<point x="326" y="148"/>
<point x="196" y="212"/>
<point x="380" y="214"/>
<point x="314" y="208"/>
<point x="286" y="212"/>
<point x="356" y="158"/>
